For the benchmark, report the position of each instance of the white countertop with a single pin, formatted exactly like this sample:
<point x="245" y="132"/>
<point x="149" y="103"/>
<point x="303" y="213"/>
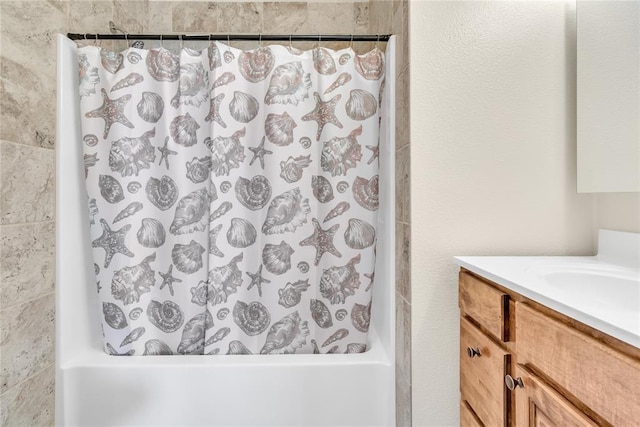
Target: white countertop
<point x="602" y="291"/>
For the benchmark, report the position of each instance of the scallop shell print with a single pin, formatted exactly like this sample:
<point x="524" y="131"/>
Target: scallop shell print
<point x="114" y="316"/>
<point x="322" y="189"/>
<point x="370" y="65"/>
<point x="291" y="170"/>
<point x="183" y="130"/>
<point x="341" y="154"/>
<point x="163" y="192"/>
<point x="226" y="152"/>
<point x="255" y="193"/>
<point x="286" y="336"/>
<point x="193" y="88"/>
<point x="361" y="317"/>
<point x="133" y="336"/>
<point x="224" y="281"/>
<point x="279" y="128"/>
<point x="289" y="84"/>
<point x="192" y="212"/>
<point x="323" y="62"/>
<point x="365" y="192"/>
<point x="241" y="233"/>
<point x="361" y="105"/>
<point x="187" y="258"/>
<point x="166" y="316"/>
<point x="131" y="209"/>
<point x="277" y="258"/>
<point x="150" y="107"/>
<point x="156" y="347"/>
<point x="129" y="155"/>
<point x="286" y="212"/>
<point x="338" y="283"/>
<point x="163" y="65"/>
<point x="243" y="107"/>
<point x="291" y="294"/>
<point x="193" y="334"/>
<point x="320" y="314"/>
<point x="129" y="283"/>
<point x="253" y="318"/>
<point x="255" y="66"/>
<point x="198" y="169"/>
<point x="111" y="61"/>
<point x="359" y="234"/>
<point x="110" y="189"/>
<point x="131" y="80"/>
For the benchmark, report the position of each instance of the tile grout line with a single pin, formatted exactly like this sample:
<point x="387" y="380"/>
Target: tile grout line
<point x="52" y="148"/>
<point x="47" y="366"/>
<point x="28" y="301"/>
<point x="27" y="223"/>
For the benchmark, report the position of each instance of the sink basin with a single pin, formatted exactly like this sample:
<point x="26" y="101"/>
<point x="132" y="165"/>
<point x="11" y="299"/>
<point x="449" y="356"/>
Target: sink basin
<point x="609" y="291"/>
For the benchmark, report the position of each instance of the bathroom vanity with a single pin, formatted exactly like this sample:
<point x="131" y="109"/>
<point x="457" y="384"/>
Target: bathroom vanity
<point x="544" y="342"/>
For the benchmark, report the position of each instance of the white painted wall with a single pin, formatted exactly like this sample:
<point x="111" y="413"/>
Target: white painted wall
<point x="492" y="162"/>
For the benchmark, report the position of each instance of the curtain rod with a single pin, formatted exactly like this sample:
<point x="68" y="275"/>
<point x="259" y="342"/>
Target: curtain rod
<point x="235" y="37"/>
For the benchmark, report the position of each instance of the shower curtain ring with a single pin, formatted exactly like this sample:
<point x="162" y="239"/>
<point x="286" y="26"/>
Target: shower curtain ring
<point x="319" y="40"/>
<point x="351" y="42"/>
<point x="259" y="39"/>
<point x="95" y="43"/>
<point x="181" y="41"/>
<point x="161" y="41"/>
<point x="290" y="46"/>
<point x="126" y="38"/>
<point x="377" y="40"/>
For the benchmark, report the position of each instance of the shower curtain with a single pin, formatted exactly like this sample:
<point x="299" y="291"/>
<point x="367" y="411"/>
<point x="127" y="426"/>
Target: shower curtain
<point x="233" y="197"/>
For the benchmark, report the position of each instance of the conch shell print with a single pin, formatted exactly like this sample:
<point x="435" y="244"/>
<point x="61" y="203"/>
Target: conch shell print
<point x="336" y="336"/>
<point x="163" y="65"/>
<point x="286" y="212"/>
<point x="163" y="192"/>
<point x="341" y="154"/>
<point x="166" y="316"/>
<point x="320" y="314"/>
<point x="277" y="258"/>
<point x="226" y="152"/>
<point x="241" y="233"/>
<point x="89" y="77"/>
<point x="131" y="209"/>
<point x="279" y="128"/>
<point x="183" y="130"/>
<point x="133" y="336"/>
<point x="289" y="85"/>
<point x="114" y="316"/>
<point x="187" y="258"/>
<point x="150" y="107"/>
<point x="253" y="318"/>
<point x="291" y="294"/>
<point x="129" y="283"/>
<point x="193" y="88"/>
<point x="338" y="283"/>
<point x="193" y="334"/>
<point x="255" y="193"/>
<point x="342" y="80"/>
<point x="243" y="107"/>
<point x="129" y="155"/>
<point x="291" y="170"/>
<point x="323" y="62"/>
<point x="198" y="169"/>
<point x="224" y="281"/>
<point x="359" y="234"/>
<point x="255" y="66"/>
<point x="361" y="317"/>
<point x="365" y="192"/>
<point x="192" y="212"/>
<point x="286" y="335"/>
<point x="371" y="64"/>
<point x="361" y="105"/>
<point x="340" y="208"/>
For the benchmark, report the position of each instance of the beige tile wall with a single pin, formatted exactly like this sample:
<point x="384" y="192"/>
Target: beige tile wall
<point x="27" y="139"/>
<point x="391" y="16"/>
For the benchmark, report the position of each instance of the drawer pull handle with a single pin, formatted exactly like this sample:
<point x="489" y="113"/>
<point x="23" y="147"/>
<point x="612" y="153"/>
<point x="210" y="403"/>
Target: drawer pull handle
<point x="473" y="352"/>
<point x="513" y="383"/>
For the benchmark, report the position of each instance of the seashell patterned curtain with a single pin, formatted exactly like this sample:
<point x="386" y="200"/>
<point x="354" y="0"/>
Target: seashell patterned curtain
<point x="233" y="197"/>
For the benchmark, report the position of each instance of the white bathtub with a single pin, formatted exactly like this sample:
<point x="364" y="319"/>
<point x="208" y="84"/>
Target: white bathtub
<point x="94" y="389"/>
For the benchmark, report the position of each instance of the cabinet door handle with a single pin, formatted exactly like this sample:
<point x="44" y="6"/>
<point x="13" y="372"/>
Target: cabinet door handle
<point x="473" y="352"/>
<point x="513" y="383"/>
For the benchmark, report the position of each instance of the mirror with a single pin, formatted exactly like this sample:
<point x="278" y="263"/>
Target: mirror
<point x="608" y="96"/>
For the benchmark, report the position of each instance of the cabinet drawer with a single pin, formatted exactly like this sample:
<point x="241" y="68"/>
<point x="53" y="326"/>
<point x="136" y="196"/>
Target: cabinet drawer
<point x="482" y="375"/>
<point x="467" y="417"/>
<point x="537" y="404"/>
<point x="484" y="304"/>
<point x="601" y="378"/>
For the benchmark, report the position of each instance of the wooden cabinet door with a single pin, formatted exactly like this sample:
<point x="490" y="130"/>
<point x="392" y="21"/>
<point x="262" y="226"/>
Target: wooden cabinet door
<point x="539" y="405"/>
